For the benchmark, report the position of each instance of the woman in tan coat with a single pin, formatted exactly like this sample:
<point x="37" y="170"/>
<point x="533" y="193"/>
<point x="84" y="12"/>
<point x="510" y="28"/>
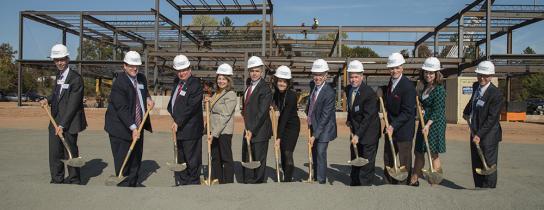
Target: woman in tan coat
<point x="222" y="106"/>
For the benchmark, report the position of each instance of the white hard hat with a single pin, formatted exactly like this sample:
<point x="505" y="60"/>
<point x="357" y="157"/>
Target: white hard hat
<point x="283" y="72"/>
<point x="254" y="61"/>
<point x="485" y="67"/>
<point x="181" y="62"/>
<point x="355" y="66"/>
<point x="431" y="64"/>
<point x="394" y="60"/>
<point x="59" y="51"/>
<point x="133" y="58"/>
<point x="319" y="66"/>
<point x="224" y="69"/>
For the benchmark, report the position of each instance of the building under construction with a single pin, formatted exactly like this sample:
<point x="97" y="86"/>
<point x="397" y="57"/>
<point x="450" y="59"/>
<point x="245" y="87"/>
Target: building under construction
<point x="159" y="39"/>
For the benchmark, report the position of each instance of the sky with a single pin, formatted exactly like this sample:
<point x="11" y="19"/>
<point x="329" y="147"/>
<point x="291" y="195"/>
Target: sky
<point x="39" y="38"/>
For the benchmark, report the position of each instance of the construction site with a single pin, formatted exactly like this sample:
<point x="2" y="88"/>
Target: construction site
<point x="461" y="40"/>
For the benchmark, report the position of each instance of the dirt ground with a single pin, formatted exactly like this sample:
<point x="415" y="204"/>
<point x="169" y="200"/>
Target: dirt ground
<point x="24" y="174"/>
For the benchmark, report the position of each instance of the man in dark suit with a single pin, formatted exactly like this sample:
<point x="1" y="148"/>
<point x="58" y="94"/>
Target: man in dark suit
<point x="185" y="107"/>
<point x="400" y="102"/>
<point x="364" y="123"/>
<point x="129" y="100"/>
<point x="66" y="102"/>
<point x="258" y="127"/>
<point x="321" y="112"/>
<point x="483" y="114"/>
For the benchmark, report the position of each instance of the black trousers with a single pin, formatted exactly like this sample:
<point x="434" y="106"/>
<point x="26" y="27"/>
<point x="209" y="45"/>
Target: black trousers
<point x="190" y="152"/>
<point x="404" y="151"/>
<point x="57" y="152"/>
<point x="119" y="149"/>
<point x="222" y="161"/>
<point x="287" y="162"/>
<point x="491" y="153"/>
<point x="260" y="150"/>
<point x="364" y="175"/>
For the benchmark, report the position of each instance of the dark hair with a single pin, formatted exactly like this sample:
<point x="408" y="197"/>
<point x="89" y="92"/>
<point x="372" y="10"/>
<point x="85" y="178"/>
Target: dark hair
<point x="288" y="81"/>
<point x="438" y="79"/>
<point x="229" y="83"/>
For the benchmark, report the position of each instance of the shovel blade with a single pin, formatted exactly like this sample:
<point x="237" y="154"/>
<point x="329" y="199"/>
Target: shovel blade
<point x="75" y="162"/>
<point x="177" y="167"/>
<point x="114" y="180"/>
<point x="358" y="162"/>
<point x="399" y="174"/>
<point x="251" y="165"/>
<point x="489" y="171"/>
<point x="433" y="177"/>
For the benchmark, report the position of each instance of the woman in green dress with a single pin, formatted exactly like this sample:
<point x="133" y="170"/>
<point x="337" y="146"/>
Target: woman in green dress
<point x="433" y="102"/>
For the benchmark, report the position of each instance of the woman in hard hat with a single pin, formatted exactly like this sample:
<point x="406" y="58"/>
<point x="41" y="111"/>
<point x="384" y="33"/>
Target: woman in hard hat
<point x="483" y="114"/>
<point x="285" y="99"/>
<point x="433" y="101"/>
<point x="222" y="106"/>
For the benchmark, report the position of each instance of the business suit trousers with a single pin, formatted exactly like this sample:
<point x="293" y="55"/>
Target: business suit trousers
<point x="287" y="162"/>
<point x="364" y="175"/>
<point x="403" y="150"/>
<point x="119" y="149"/>
<point x="260" y="150"/>
<point x="57" y="152"/>
<point x="222" y="161"/>
<point x="189" y="152"/>
<point x="491" y="153"/>
<point x="319" y="158"/>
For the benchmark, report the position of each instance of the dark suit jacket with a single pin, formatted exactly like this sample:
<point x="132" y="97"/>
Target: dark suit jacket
<point x="256" y="115"/>
<point x="401" y="109"/>
<point x="120" y="113"/>
<point x="324" y="114"/>
<point x="187" y="111"/>
<point x="288" y="122"/>
<point x="363" y="116"/>
<point x="486" y="119"/>
<point x="68" y="109"/>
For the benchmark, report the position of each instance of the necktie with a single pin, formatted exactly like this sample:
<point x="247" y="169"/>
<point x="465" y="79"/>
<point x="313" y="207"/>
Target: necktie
<point x="477" y="97"/>
<point x="137" y="108"/>
<point x="248" y="94"/>
<point x="353" y="94"/>
<point x="56" y="94"/>
<point x="311" y="108"/>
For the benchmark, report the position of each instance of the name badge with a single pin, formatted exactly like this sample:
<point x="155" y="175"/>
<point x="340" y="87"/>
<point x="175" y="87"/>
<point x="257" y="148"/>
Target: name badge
<point x="65" y="86"/>
<point x="356" y="108"/>
<point x="60" y="82"/>
<point x="480" y="103"/>
<point x="140" y="86"/>
<point x="182" y="93"/>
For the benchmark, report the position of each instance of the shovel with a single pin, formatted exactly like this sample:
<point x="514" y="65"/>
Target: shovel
<point x="251" y="164"/>
<point x="310" y="159"/>
<point x="397" y="172"/>
<point x="276" y="147"/>
<point x="73" y="162"/>
<point x="209" y="181"/>
<point x="115" y="180"/>
<point x="486" y="170"/>
<point x="434" y="176"/>
<point x="358" y="161"/>
<point x="175" y="166"/>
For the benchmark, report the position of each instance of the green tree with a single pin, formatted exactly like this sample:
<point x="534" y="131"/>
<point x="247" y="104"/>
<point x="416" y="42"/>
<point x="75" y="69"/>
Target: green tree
<point x="358" y="52"/>
<point x="9" y="75"/>
<point x="533" y="86"/>
<point x="529" y="51"/>
<point x="405" y="53"/>
<point x="424" y="51"/>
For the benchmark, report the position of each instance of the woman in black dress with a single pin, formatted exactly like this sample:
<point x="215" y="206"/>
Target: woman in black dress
<point x="285" y="100"/>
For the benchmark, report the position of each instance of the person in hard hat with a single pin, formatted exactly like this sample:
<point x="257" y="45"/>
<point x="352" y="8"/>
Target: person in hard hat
<point x="400" y="103"/>
<point x="285" y="100"/>
<point x="433" y="102"/>
<point x="185" y="107"/>
<point x="66" y="102"/>
<point x="257" y="99"/>
<point x="364" y="123"/>
<point x="483" y="114"/>
<point x="128" y="102"/>
<point x="222" y="106"/>
<point x="321" y="112"/>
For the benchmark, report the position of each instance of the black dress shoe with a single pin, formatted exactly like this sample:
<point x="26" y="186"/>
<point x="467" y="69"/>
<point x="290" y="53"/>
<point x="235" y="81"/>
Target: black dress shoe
<point x="354" y="184"/>
<point x="322" y="182"/>
<point x="415" y="184"/>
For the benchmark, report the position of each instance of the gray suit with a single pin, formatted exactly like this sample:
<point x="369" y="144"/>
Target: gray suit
<point x="222" y="112"/>
<point x="323" y="127"/>
<point x="222" y="125"/>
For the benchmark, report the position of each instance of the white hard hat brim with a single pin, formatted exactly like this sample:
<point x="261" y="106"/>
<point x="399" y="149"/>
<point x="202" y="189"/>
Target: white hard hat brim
<point x="430" y="69"/>
<point x="178" y="68"/>
<point x="255" y="65"/>
<point x="484" y="72"/>
<point x="395" y="64"/>
<point x="282" y="77"/>
<point x="133" y="63"/>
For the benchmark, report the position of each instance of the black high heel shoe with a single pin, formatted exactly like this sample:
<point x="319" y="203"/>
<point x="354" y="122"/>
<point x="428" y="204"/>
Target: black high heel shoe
<point x="415" y="184"/>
